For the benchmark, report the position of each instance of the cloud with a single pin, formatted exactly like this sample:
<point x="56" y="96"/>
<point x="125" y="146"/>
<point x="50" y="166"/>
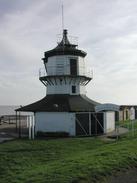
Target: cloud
<point x="106" y="31"/>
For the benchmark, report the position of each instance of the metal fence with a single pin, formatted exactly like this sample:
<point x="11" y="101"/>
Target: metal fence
<point x="126" y="128"/>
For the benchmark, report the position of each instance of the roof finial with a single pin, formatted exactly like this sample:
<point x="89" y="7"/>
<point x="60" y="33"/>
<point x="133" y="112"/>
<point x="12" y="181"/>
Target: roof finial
<point x="65" y="38"/>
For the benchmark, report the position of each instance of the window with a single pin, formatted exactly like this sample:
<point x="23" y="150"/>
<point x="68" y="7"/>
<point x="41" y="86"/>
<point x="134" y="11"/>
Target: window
<point x="73" y="66"/>
<point x="73" y="89"/>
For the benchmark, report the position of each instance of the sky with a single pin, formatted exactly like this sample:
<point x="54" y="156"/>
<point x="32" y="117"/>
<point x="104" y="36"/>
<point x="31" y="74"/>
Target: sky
<point x="106" y="30"/>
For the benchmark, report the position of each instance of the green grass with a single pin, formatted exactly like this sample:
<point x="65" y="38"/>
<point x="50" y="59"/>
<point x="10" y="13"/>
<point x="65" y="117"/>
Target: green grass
<point x="65" y="160"/>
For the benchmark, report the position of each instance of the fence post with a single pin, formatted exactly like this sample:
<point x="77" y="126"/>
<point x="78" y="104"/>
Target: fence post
<point x="9" y="119"/>
<point x="132" y="121"/>
<point x="27" y="121"/>
<point x="19" y="125"/>
<point x="30" y="127"/>
<point x="117" y="130"/>
<point x="33" y="127"/>
<point x="89" y="123"/>
<point x="16" y="122"/>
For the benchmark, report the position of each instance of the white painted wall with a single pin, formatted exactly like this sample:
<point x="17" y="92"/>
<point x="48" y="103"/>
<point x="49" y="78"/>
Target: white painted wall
<point x="65" y="122"/>
<point x="65" y="89"/>
<point x="81" y="66"/>
<point x="109" y="121"/>
<point x="55" y="122"/>
<point x="132" y="113"/>
<point x="60" y="65"/>
<point x="121" y="115"/>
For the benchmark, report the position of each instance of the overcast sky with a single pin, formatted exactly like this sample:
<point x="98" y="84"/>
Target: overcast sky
<point x="106" y="30"/>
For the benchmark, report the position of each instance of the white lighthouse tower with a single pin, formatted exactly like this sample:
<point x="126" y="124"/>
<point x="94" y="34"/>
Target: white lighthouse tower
<point x="66" y="108"/>
<point x="65" y="69"/>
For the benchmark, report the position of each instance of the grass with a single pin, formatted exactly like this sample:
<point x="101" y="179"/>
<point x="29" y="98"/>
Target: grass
<point x="69" y="160"/>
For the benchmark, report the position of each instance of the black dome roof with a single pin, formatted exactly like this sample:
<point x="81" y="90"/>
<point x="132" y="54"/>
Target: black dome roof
<point x="61" y="103"/>
<point x="64" y="48"/>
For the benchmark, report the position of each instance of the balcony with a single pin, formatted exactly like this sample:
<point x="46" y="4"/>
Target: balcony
<point x="65" y="70"/>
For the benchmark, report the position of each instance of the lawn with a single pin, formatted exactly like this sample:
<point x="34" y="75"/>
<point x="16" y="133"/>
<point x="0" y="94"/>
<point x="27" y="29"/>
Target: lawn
<point x="69" y="160"/>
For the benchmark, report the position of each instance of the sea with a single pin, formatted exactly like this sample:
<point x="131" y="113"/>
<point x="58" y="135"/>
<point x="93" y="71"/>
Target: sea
<point x="8" y="109"/>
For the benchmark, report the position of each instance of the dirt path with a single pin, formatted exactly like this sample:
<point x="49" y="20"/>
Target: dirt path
<point x="129" y="176"/>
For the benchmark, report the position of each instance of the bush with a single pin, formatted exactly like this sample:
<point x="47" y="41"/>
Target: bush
<point x="52" y="134"/>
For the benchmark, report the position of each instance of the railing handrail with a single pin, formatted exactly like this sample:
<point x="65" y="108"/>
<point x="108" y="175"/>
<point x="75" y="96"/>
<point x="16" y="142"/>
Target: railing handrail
<point x="88" y="72"/>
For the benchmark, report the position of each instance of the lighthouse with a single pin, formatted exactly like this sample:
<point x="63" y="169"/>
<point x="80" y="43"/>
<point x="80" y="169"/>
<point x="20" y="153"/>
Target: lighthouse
<point x="66" y="108"/>
<point x="65" y="69"/>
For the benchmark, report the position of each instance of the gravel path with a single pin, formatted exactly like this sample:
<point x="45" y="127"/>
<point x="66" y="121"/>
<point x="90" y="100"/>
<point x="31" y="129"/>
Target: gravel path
<point x="8" y="131"/>
<point x="5" y="137"/>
